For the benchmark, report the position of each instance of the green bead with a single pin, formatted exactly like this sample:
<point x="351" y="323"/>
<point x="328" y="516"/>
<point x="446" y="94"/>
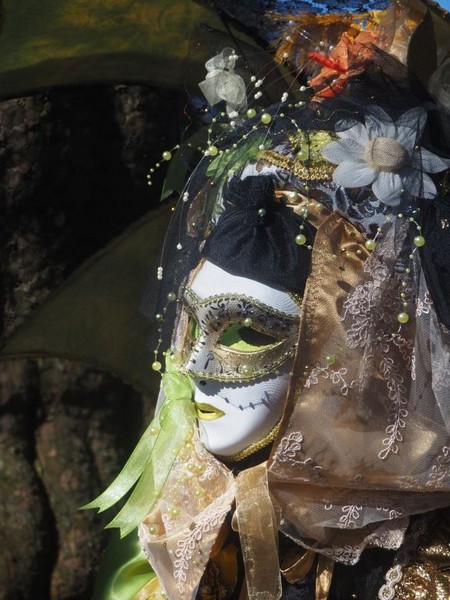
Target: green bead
<point x="159" y="317"/>
<point x="171" y="296"/>
<point x="213" y="150"/>
<point x="261" y="212"/>
<point x="330" y="359"/>
<point x="251" y="113"/>
<point x="419" y="241"/>
<point x="300" y="239"/>
<point x="370" y="244"/>
<point x="156" y="365"/>
<point x="402" y="318"/>
<point x="167" y="155"/>
<point x="266" y="118"/>
<point x="246" y="371"/>
<point x="248" y="322"/>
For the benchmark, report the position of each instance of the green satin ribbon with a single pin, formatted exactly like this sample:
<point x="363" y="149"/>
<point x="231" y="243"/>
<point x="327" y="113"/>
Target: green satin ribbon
<point x="151" y="461"/>
<point x="124" y="570"/>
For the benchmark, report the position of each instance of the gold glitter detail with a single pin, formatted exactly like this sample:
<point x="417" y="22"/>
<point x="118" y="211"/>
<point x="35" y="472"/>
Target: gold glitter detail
<point x="307" y="145"/>
<point x="253" y="447"/>
<point x="427" y="577"/>
<point x="319" y="171"/>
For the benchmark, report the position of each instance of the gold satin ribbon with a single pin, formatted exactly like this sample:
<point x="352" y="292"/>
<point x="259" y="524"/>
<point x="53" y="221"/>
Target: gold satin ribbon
<point x="301" y="567"/>
<point x="258" y="533"/>
<point x="257" y="524"/>
<point x="324" y="575"/>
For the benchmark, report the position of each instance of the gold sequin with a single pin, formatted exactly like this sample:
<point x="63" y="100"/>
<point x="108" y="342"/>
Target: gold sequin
<point x="318" y="171"/>
<point x="428" y="575"/>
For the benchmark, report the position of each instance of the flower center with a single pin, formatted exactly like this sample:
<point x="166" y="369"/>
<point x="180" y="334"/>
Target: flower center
<point x="386" y="154"/>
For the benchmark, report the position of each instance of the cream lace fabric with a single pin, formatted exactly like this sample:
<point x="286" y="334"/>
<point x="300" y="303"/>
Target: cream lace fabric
<point x="365" y="442"/>
<point x="178" y="535"/>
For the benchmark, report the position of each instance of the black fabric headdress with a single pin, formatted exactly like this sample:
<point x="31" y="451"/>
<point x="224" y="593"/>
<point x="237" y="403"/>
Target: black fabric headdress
<point x="255" y="236"/>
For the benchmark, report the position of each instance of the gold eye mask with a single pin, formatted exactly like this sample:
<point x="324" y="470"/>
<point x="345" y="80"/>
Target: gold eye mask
<point x="233" y="337"/>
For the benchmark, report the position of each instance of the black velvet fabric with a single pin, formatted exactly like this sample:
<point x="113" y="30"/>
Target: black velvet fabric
<point x="361" y="581"/>
<point x="255" y="236"/>
<point x="435" y="254"/>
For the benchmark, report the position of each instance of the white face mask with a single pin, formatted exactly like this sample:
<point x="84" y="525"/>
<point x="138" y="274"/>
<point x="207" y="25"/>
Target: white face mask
<point x="239" y="352"/>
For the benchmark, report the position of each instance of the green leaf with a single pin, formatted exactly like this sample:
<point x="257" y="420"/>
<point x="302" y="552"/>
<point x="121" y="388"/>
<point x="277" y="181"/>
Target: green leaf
<point x="231" y="161"/>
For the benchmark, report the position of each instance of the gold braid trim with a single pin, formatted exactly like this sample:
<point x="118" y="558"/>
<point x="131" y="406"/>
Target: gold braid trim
<point x="320" y="171"/>
<point x="253" y="448"/>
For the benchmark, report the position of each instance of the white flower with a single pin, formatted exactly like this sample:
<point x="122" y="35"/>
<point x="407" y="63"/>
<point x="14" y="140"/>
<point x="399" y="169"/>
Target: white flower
<point x="385" y="155"/>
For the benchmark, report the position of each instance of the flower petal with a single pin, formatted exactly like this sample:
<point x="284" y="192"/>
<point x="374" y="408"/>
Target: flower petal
<point x="388" y="188"/>
<point x="354" y="174"/>
<point x="407" y="137"/>
<point x="379" y="123"/>
<point x="429" y="162"/>
<point x="357" y="132"/>
<point x="345" y="149"/>
<point x="413" y="120"/>
<point x="418" y="184"/>
<point x="410" y="127"/>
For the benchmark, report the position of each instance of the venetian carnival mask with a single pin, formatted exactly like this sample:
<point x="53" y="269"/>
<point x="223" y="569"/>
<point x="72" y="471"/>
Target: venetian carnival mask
<point x="364" y="440"/>
<point x="239" y="350"/>
<point x="242" y="309"/>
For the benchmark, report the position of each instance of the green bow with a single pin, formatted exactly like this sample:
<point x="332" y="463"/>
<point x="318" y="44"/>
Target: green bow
<point x="151" y="461"/>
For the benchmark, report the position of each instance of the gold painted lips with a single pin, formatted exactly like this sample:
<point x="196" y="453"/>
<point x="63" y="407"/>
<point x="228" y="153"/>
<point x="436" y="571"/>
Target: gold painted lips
<point x="206" y="412"/>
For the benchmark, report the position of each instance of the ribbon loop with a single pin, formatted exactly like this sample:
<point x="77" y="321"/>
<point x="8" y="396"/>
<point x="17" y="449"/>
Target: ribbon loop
<point x="258" y="531"/>
<point x="151" y="461"/>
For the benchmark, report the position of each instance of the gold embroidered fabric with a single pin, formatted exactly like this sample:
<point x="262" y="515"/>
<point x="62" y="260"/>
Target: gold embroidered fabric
<point x="427" y="577"/>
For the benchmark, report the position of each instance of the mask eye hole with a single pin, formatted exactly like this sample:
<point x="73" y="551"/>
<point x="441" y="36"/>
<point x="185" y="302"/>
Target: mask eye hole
<point x="193" y="329"/>
<point x="245" y="339"/>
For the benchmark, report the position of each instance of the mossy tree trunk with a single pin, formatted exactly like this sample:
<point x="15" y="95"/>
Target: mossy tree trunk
<point x="73" y="169"/>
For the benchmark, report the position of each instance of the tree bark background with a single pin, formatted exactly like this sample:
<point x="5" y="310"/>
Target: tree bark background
<point x="73" y="167"/>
